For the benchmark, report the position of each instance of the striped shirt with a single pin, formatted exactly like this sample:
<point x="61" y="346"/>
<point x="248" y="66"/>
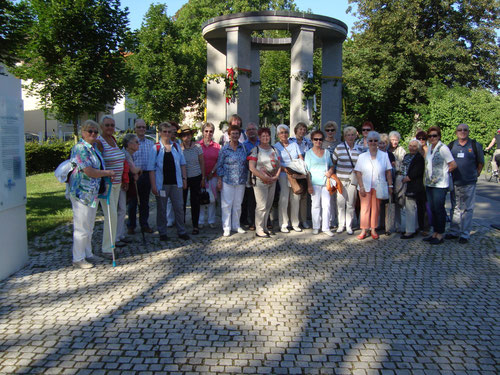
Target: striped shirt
<point x="340" y="157"/>
<point x="193" y="167"/>
<point x="141" y="156"/>
<point x="113" y="159"/>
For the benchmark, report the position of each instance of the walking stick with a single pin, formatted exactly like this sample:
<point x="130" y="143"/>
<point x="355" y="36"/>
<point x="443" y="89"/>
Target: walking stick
<point x="108" y="182"/>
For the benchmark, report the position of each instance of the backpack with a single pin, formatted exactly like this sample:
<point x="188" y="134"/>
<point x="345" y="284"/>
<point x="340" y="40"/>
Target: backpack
<point x="474" y="148"/>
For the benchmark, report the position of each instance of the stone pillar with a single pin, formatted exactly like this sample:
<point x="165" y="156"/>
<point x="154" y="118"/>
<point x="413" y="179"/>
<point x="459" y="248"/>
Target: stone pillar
<point x="255" y="86"/>
<point x="216" y="105"/>
<point x="301" y="65"/>
<point x="238" y="56"/>
<point x="331" y="88"/>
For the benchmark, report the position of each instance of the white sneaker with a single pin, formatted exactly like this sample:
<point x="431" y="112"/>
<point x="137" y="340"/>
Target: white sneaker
<point x="306" y="225"/>
<point x="241" y="230"/>
<point x="284" y="229"/>
<point x="82" y="264"/>
<point x="329" y="233"/>
<point x="349" y="231"/>
<point x="315" y="231"/>
<point x="226" y="233"/>
<point x="297" y="229"/>
<point x="340" y="229"/>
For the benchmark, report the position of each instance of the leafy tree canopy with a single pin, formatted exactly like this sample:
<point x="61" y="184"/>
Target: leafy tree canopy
<point x="15" y="19"/>
<point x="75" y="55"/>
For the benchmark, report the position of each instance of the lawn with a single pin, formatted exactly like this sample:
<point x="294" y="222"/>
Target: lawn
<point x="47" y="208"/>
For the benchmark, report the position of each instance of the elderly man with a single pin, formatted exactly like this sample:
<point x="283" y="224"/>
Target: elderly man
<point x="469" y="157"/>
<point x="141" y="159"/>
<point x="248" y="204"/>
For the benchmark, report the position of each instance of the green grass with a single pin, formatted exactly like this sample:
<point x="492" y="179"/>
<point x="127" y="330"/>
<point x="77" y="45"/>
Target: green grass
<point x="47" y="208"/>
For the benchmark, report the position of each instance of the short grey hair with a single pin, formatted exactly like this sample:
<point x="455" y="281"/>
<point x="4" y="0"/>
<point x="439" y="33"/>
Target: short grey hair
<point x="284" y="127"/>
<point x="89" y="124"/>
<point x="394" y="134"/>
<point x="415" y="140"/>
<point x="373" y="135"/>
<point x="128" y="138"/>
<point x="138" y="120"/>
<point x="331" y="124"/>
<point x="106" y="117"/>
<point x="207" y="125"/>
<point x="467" y="126"/>
<point x="349" y="129"/>
<point x="164" y="125"/>
<point x="384" y="138"/>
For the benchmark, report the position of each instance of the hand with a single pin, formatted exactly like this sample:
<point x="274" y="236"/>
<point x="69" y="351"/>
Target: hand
<point x="184" y="184"/>
<point x="110" y="173"/>
<point x="219" y="184"/>
<point x="406" y="179"/>
<point x="310" y="190"/>
<point x="124" y="186"/>
<point x="154" y="190"/>
<point x="362" y="191"/>
<point x="202" y="183"/>
<point x="328" y="174"/>
<point x="390" y="191"/>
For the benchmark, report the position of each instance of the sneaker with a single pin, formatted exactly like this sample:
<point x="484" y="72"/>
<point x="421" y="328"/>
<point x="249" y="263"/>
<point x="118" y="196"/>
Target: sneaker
<point x="108" y="256"/>
<point x="349" y="231"/>
<point x="284" y="229"/>
<point x="329" y="233"/>
<point x="184" y="236"/>
<point x="463" y="240"/>
<point x="340" y="229"/>
<point x="126" y="239"/>
<point x="94" y="259"/>
<point x="83" y="264"/>
<point x="297" y="229"/>
<point x="241" y="230"/>
<point x="226" y="233"/>
<point x="315" y="231"/>
<point x="306" y="225"/>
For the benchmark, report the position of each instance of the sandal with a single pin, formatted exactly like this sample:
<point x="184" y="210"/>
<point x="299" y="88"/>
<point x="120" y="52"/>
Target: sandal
<point x="362" y="236"/>
<point x="195" y="231"/>
<point x="375" y="236"/>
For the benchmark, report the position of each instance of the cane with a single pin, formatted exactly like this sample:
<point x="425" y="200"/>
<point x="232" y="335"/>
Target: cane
<point x="139" y="206"/>
<point x="108" y="182"/>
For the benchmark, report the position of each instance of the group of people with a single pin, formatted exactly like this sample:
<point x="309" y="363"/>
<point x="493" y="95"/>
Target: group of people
<point x="316" y="176"/>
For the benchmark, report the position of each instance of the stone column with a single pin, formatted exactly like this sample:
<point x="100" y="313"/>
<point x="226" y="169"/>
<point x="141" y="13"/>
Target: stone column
<point x="331" y="88"/>
<point x="238" y="56"/>
<point x="301" y="65"/>
<point x="216" y="105"/>
<point x="255" y="86"/>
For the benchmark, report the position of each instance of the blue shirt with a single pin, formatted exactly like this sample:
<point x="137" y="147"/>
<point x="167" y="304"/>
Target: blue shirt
<point x="141" y="156"/>
<point x="232" y="166"/>
<point x="249" y="145"/>
<point x="156" y="163"/>
<point x="291" y="150"/>
<point x="466" y="171"/>
<point x="317" y="166"/>
<point x="304" y="146"/>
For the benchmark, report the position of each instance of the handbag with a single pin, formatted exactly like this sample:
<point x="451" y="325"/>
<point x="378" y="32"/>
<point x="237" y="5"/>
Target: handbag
<point x="353" y="177"/>
<point x="204" y="197"/>
<point x="296" y="166"/>
<point x="382" y="189"/>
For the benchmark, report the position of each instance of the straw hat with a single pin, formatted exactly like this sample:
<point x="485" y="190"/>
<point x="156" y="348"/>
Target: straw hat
<point x="185" y="129"/>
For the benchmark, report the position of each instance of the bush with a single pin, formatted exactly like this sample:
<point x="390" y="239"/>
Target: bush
<point x="45" y="157"/>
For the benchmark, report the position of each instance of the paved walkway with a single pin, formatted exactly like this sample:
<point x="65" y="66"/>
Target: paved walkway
<point x="294" y="304"/>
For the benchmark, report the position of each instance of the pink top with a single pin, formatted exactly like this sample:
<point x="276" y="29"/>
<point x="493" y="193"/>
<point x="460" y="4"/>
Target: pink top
<point x="210" y="155"/>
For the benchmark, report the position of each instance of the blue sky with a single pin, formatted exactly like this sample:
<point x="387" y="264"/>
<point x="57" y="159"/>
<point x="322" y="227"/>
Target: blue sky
<point x="330" y="8"/>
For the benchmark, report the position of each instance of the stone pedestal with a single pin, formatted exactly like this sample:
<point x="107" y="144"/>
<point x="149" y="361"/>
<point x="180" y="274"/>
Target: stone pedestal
<point x="331" y="87"/>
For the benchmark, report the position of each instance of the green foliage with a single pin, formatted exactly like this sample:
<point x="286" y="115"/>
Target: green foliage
<point x="478" y="108"/>
<point x="46" y="156"/>
<point x="75" y="55"/>
<point x="15" y="19"/>
<point x="400" y="47"/>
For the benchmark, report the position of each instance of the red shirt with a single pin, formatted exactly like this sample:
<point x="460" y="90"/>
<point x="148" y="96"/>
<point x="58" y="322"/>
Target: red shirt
<point x="210" y="155"/>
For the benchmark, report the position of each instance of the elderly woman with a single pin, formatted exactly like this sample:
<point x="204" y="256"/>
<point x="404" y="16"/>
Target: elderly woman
<point x="232" y="176"/>
<point x="130" y="147"/>
<point x="211" y="151"/>
<point x="399" y="153"/>
<point x="114" y="159"/>
<point x="264" y="164"/>
<point x="387" y="206"/>
<point x="329" y="143"/>
<point x="195" y="168"/>
<point x="439" y="163"/>
<point x="373" y="167"/>
<point x="83" y="190"/>
<point x="168" y="176"/>
<point x="304" y="144"/>
<point x="412" y="170"/>
<point x="288" y="151"/>
<point x="345" y="157"/>
<point x="421" y="137"/>
<point x="362" y="143"/>
<point x="320" y="167"/>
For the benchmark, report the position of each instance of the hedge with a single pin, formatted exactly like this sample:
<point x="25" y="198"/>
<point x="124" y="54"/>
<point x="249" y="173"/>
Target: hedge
<point x="46" y="156"/>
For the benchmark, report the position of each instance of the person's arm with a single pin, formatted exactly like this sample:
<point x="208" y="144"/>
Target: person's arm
<point x="359" y="177"/>
<point x="98" y="173"/>
<point x="388" y="177"/>
<point x="491" y="144"/>
<point x="184" y="177"/>
<point x="452" y="165"/>
<point x="201" y="160"/>
<point x="152" y="180"/>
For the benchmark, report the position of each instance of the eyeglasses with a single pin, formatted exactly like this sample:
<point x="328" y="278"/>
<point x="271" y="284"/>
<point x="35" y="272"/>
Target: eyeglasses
<point x="372" y="140"/>
<point x="208" y="131"/>
<point x="366" y="130"/>
<point x="283" y="132"/>
<point x="109" y="125"/>
<point x="462" y="130"/>
<point x="432" y="135"/>
<point x="329" y="130"/>
<point x="92" y="131"/>
<point x="140" y="127"/>
<point x="318" y="139"/>
<point x="166" y="131"/>
<point x="422" y="138"/>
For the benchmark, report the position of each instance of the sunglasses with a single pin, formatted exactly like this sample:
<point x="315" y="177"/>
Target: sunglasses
<point x="366" y="130"/>
<point x="462" y="130"/>
<point x="422" y="138"/>
<point x="318" y="139"/>
<point x="432" y="135"/>
<point x="109" y="125"/>
<point x="208" y="131"/>
<point x="92" y="131"/>
<point x="329" y="130"/>
<point x="372" y="140"/>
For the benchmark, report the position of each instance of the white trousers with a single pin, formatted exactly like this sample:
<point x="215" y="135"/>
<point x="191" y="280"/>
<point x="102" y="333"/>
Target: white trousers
<point x="264" y="196"/>
<point x="83" y="226"/>
<point x="210" y="208"/>
<point x="287" y="197"/>
<point x="110" y="218"/>
<point x="121" y="213"/>
<point x="346" y="203"/>
<point x="411" y="215"/>
<point x="231" y="198"/>
<point x="320" y="208"/>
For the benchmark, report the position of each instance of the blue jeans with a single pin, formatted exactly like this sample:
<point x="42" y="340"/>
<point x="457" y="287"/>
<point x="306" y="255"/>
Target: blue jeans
<point x="143" y="191"/>
<point x="436" y="198"/>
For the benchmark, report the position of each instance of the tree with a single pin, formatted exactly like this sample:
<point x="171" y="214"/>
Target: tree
<point x="75" y="56"/>
<point x="14" y="20"/>
<point x="399" y="48"/>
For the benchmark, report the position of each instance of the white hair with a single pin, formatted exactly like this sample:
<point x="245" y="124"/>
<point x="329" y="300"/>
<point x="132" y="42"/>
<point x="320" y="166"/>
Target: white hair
<point x="393" y="134"/>
<point x="283" y="126"/>
<point x="106" y="117"/>
<point x="373" y="135"/>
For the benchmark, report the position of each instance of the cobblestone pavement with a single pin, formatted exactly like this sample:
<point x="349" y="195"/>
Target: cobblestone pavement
<point x="294" y="304"/>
